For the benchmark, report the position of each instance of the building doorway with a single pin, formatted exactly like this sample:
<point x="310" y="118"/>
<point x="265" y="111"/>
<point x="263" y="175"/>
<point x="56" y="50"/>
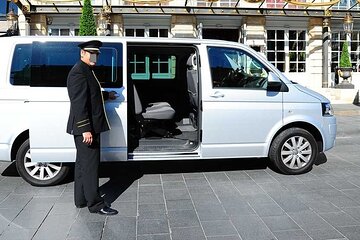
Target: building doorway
<point x="221" y="34"/>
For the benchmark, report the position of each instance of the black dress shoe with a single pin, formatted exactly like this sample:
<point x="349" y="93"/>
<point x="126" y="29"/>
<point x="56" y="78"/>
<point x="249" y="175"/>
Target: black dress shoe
<point x="107" y="211"/>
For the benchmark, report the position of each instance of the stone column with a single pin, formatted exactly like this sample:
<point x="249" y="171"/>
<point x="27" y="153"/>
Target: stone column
<point x="38" y="25"/>
<point x="183" y="26"/>
<point x="117" y="25"/>
<point x="315" y="54"/>
<point x="255" y="31"/>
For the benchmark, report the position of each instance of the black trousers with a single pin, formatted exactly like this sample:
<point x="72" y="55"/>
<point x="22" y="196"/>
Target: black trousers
<point x="86" y="174"/>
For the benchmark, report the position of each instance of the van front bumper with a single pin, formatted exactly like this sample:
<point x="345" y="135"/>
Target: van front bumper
<point x="330" y="128"/>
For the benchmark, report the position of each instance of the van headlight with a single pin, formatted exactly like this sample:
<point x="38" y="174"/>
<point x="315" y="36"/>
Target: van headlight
<point x="327" y="109"/>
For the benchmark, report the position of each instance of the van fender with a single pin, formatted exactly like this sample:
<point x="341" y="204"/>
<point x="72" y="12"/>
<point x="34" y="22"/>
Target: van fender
<point x="306" y="122"/>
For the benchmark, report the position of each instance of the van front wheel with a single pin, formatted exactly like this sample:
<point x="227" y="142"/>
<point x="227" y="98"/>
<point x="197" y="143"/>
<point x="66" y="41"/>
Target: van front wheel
<point x="294" y="151"/>
<point x="38" y="174"/>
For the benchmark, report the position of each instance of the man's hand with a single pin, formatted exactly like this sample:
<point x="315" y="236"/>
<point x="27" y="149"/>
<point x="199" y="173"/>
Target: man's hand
<point x="113" y="95"/>
<point x="87" y="138"/>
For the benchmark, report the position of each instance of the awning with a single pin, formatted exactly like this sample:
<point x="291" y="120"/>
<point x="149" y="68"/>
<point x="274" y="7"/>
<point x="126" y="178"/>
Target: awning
<point x="315" y="8"/>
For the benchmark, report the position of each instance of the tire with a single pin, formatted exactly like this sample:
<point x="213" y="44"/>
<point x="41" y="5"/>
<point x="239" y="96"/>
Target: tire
<point x="38" y="174"/>
<point x="294" y="151"/>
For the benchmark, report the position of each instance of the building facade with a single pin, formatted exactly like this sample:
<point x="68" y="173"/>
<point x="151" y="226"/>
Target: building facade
<point x="301" y="38"/>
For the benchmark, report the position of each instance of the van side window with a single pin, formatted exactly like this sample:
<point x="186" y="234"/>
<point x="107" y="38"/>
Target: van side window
<point x="52" y="62"/>
<point x="20" y="66"/>
<point x="234" y="68"/>
<point x="146" y="66"/>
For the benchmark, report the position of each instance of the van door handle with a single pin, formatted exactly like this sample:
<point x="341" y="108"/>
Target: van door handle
<point x="217" y="94"/>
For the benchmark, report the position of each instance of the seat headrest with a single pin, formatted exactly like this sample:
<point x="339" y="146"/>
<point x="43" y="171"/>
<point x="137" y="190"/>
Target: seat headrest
<point x="191" y="62"/>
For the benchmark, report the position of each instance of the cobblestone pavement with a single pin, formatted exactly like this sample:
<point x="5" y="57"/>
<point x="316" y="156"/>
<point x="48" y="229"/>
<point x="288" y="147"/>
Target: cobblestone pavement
<point x="195" y="200"/>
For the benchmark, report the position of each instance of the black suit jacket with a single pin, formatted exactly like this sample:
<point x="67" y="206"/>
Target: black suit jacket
<point x="87" y="110"/>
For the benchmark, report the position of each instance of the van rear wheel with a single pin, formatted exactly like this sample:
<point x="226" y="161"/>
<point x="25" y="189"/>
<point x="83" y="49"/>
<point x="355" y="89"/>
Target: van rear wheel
<point x="294" y="151"/>
<point x="38" y="174"/>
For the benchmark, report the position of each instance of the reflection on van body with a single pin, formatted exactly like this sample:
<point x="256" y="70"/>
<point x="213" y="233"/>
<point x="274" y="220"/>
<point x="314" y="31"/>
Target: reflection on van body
<point x="178" y="99"/>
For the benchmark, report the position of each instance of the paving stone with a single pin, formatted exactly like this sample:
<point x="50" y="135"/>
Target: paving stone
<point x="150" y="189"/>
<point x="321" y="206"/>
<point x="187" y="233"/>
<point x="125" y="208"/>
<point x="57" y="225"/>
<point x="174" y="185"/>
<point x="172" y="177"/>
<point x="153" y="226"/>
<point x="218" y="228"/>
<point x="206" y="189"/>
<point x="252" y="227"/>
<point x="15" y="232"/>
<point x="196" y="182"/>
<point x="211" y="212"/>
<point x="15" y="201"/>
<point x="183" y="218"/>
<point x="151" y="198"/>
<point x="217" y="177"/>
<point x="235" y="207"/>
<point x="234" y="237"/>
<point x="288" y="202"/>
<point x="64" y="209"/>
<point x="30" y="218"/>
<point x="353" y="212"/>
<point x="120" y="228"/>
<point x="194" y="175"/>
<point x="308" y="220"/>
<point x="183" y="204"/>
<point x="267" y="209"/>
<point x="280" y="223"/>
<point x="128" y="196"/>
<point x="339" y="219"/>
<point x="154" y="237"/>
<point x="324" y="234"/>
<point x="292" y="234"/>
<point x="177" y="194"/>
<point x="86" y="230"/>
<point x="150" y="179"/>
<point x="351" y="232"/>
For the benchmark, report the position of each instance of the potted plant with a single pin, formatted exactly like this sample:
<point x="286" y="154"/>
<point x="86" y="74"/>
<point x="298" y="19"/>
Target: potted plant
<point x="345" y="67"/>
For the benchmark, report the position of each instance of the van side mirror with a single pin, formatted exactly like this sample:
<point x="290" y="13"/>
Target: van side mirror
<point x="275" y="84"/>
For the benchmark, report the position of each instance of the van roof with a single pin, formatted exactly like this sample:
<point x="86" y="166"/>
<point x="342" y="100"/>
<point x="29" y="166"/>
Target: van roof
<point x="113" y="38"/>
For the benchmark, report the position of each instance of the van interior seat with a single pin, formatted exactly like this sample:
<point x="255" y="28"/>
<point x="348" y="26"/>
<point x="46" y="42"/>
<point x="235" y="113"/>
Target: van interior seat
<point x="192" y="85"/>
<point x="192" y="80"/>
<point x="157" y="110"/>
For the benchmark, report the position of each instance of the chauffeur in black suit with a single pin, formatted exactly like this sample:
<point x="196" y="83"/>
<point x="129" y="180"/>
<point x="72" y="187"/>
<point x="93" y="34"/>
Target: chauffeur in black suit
<point x="87" y="120"/>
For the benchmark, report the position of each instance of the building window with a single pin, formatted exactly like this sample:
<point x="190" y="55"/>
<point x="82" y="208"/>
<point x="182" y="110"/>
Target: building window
<point x="286" y="49"/>
<point x="283" y="4"/>
<point x="63" y="32"/>
<point x="147" y="32"/>
<point x="346" y="4"/>
<point x="337" y="41"/>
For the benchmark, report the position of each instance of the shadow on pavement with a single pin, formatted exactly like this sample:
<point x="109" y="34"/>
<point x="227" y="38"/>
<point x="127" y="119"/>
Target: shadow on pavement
<point x="10" y="171"/>
<point x="123" y="174"/>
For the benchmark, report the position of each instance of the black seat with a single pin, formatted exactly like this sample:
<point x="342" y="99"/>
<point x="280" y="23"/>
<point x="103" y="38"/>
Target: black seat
<point x="192" y="85"/>
<point x="158" y="110"/>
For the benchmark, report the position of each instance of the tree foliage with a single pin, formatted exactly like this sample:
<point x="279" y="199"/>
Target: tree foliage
<point x="87" y="20"/>
<point x="345" y="57"/>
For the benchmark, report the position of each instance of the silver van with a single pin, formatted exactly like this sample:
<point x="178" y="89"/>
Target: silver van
<point x="178" y="99"/>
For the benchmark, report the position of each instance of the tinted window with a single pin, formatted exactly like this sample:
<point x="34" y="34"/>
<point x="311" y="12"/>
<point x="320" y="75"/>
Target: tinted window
<point x="52" y="62"/>
<point x="20" y="66"/>
<point x="234" y="68"/>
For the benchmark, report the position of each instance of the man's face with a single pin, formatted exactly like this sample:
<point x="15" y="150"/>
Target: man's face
<point x="89" y="57"/>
